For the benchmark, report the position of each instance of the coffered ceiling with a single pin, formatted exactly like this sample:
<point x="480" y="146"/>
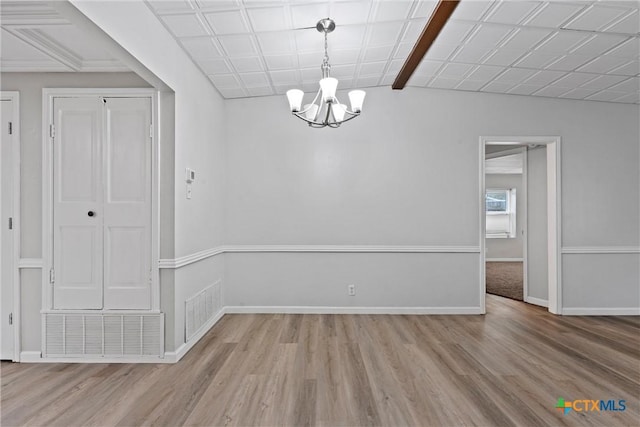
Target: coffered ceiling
<point x="567" y="49"/>
<point x="34" y="37"/>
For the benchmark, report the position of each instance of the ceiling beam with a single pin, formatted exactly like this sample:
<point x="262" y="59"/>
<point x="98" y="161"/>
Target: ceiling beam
<point x="436" y="23"/>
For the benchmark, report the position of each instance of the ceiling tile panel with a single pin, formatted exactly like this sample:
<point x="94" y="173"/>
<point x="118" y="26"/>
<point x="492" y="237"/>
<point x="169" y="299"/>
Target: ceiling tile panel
<point x="512" y="12"/>
<point x="348" y="37"/>
<point x="579" y="93"/>
<point x="276" y="42"/>
<point x="524" y="89"/>
<point x="553" y="15"/>
<point x="350" y="12"/>
<point x="606" y="95"/>
<point x="574" y="79"/>
<point x="171" y="6"/>
<point x="225" y="80"/>
<point x="497" y="87"/>
<point x="444" y="83"/>
<point x="473" y="10"/>
<point x="284" y="77"/>
<point x="525" y="38"/>
<point x="269" y="19"/>
<point x="629" y="85"/>
<point x="503" y="57"/>
<point x="230" y="22"/>
<point x="599" y="44"/>
<point x="472" y="85"/>
<point x="485" y="72"/>
<point x="260" y="91"/>
<point x="187" y="25"/>
<point x="454" y="32"/>
<point x="489" y="36"/>
<point x="515" y="75"/>
<point x="428" y="68"/>
<point x="597" y="17"/>
<point x="340" y="57"/>
<point x="455" y="71"/>
<point x="397" y="10"/>
<point x="372" y="68"/>
<point x="629" y="24"/>
<point x="545" y="77"/>
<point x="552" y="91"/>
<point x="384" y="33"/>
<point x="201" y="47"/>
<point x="214" y="66"/>
<point x="563" y="42"/>
<point x="628" y="49"/>
<point x="537" y="60"/>
<point x="254" y="79"/>
<point x="630" y="98"/>
<point x="569" y="62"/>
<point x="603" y="64"/>
<point x="603" y="82"/>
<point x="238" y="45"/>
<point x="281" y="62"/>
<point x="307" y="15"/>
<point x="631" y="68"/>
<point x="424" y="8"/>
<point x="441" y="51"/>
<point x="470" y="54"/>
<point x="247" y="64"/>
<point x="367" y="81"/>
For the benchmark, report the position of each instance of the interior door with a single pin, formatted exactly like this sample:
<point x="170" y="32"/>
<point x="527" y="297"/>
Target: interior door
<point x="127" y="203"/>
<point x="77" y="203"/>
<point x="102" y="203"/>
<point x="6" y="235"/>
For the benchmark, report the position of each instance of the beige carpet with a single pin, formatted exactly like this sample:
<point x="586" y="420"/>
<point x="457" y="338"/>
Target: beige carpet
<point x="505" y="279"/>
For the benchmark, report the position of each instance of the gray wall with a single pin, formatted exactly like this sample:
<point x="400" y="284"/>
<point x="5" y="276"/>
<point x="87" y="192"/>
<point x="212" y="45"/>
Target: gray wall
<point x="537" y="249"/>
<point x="512" y="247"/>
<point x="406" y="173"/>
<point x="30" y="86"/>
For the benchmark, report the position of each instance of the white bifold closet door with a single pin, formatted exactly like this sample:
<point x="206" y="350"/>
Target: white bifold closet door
<point x="102" y="203"/>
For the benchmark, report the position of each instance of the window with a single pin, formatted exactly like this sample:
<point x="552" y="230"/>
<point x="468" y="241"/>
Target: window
<point x="500" y="207"/>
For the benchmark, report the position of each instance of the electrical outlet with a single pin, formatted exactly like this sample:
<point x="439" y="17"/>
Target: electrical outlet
<point x="351" y="290"/>
<point x="188" y="191"/>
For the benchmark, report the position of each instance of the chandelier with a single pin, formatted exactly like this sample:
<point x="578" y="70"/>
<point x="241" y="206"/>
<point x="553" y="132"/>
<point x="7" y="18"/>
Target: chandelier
<point x="325" y="109"/>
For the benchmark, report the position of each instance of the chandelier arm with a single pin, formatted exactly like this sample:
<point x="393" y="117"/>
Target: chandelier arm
<point x="311" y="122"/>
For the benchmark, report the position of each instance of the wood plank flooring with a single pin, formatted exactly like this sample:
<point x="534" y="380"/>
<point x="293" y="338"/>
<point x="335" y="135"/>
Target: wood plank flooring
<point x="506" y="368"/>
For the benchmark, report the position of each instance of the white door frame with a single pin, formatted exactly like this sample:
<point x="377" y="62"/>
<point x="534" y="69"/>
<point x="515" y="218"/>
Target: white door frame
<point x="554" y="216"/>
<point x="47" y="183"/>
<point x="14" y="97"/>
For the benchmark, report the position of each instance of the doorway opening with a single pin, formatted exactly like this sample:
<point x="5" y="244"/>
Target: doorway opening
<point x="520" y="219"/>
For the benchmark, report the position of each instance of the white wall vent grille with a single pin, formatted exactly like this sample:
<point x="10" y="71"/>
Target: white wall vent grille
<point x="200" y="308"/>
<point x="103" y="335"/>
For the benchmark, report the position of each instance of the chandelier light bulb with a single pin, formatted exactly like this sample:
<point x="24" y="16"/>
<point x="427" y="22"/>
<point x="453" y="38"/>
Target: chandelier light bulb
<point x="356" y="97"/>
<point x="328" y="86"/>
<point x="310" y="111"/>
<point x="339" y="110"/>
<point x="295" y="99"/>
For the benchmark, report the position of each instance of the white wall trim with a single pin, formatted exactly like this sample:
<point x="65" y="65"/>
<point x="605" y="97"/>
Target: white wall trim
<point x="504" y="259"/>
<point x="349" y="310"/>
<point x="175" y="356"/>
<point x="536" y="301"/>
<point x="353" y="248"/>
<point x="598" y="311"/>
<point x="190" y="259"/>
<point x="601" y="250"/>
<point x="207" y="253"/>
<point x="30" y="263"/>
<point x="35" y="357"/>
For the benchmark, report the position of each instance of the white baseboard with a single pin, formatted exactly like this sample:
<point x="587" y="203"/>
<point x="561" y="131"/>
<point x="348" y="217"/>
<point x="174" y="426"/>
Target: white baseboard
<point x="30" y="356"/>
<point x="175" y="356"/>
<point x="36" y="357"/>
<point x="537" y="301"/>
<point x="598" y="311"/>
<point x="350" y="310"/>
<point x="504" y="259"/>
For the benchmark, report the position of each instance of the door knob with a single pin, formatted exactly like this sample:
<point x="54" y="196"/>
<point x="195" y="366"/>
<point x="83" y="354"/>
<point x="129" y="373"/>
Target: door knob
<point x="91" y="213"/>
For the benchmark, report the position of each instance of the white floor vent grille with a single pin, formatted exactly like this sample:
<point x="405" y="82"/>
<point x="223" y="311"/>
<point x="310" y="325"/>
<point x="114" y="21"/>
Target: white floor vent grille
<point x="200" y="308"/>
<point x="103" y="335"/>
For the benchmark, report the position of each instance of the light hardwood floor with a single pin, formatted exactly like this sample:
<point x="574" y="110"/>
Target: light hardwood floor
<point x="506" y="368"/>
